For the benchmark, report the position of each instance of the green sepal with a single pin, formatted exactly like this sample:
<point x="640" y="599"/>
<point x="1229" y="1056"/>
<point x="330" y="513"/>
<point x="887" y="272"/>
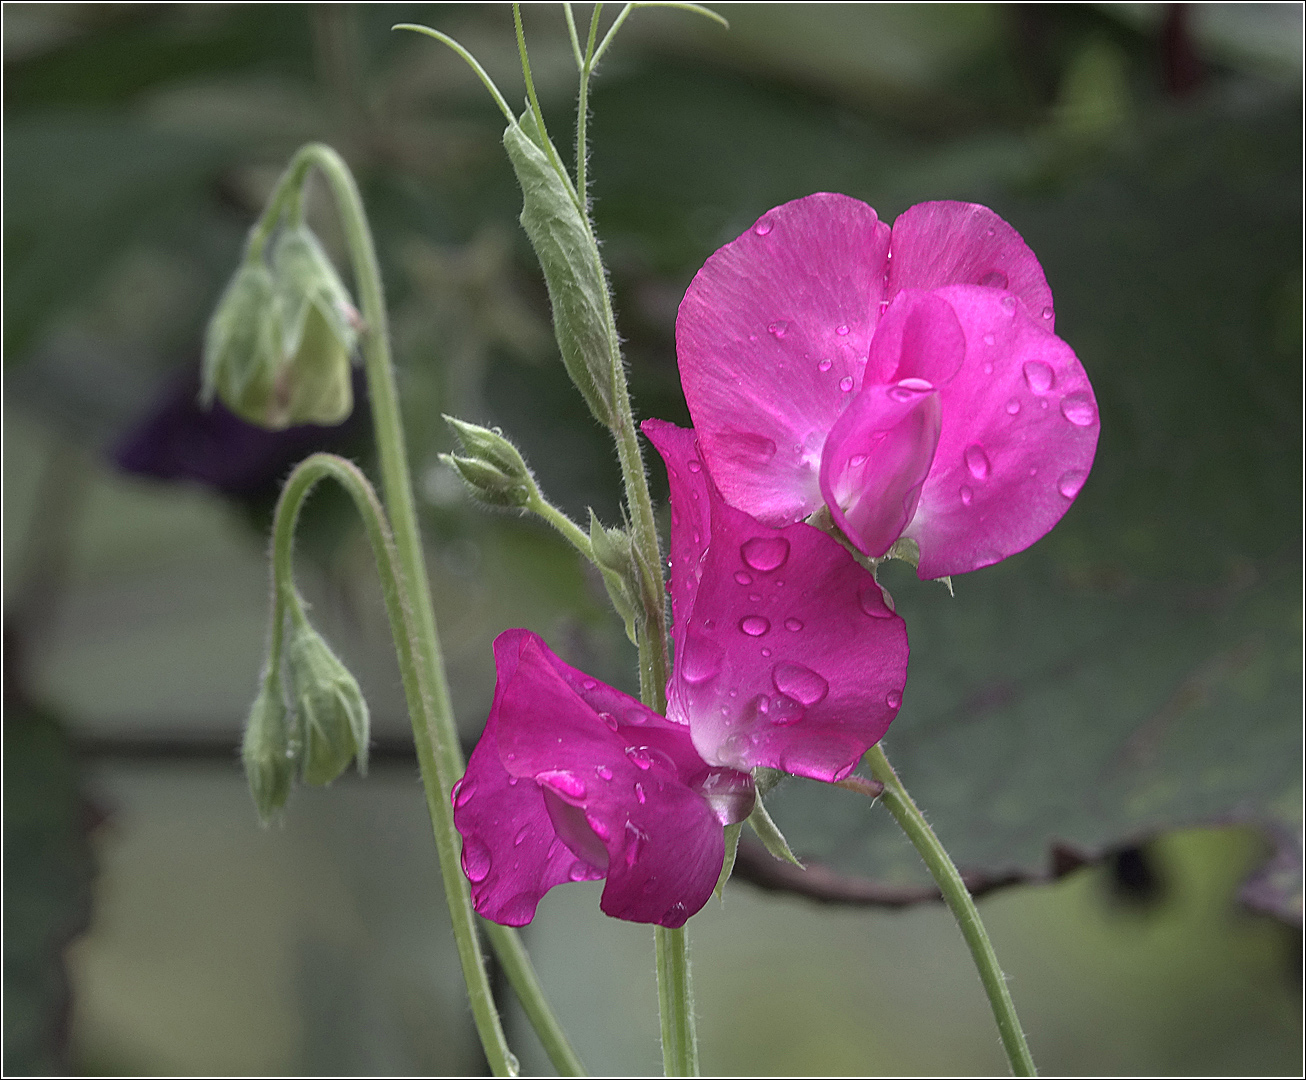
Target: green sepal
<point x="615" y="556"/>
<point x="268" y="751"/>
<point x="491" y="467"/>
<point x="728" y="866"/>
<point x="569" y="257"/>
<point x="242" y="347"/>
<point x="330" y="712"/>
<point x="770" y="835"/>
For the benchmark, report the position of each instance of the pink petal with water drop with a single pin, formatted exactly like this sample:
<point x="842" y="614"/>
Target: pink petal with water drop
<point x="1019" y="417"/>
<point x="771" y="330"/>
<point x="786" y="654"/>
<point x="953" y="243"/>
<point x="606" y="788"/>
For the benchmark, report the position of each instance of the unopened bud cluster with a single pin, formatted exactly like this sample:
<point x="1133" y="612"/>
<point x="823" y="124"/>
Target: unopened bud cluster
<point x="277" y="351"/>
<point x="491" y="467"/>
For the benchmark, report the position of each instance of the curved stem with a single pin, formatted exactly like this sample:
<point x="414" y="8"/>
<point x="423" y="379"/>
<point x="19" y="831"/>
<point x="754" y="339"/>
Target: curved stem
<point x="472" y="62"/>
<point x="434" y="729"/>
<point x="959" y="900"/>
<point x="351" y="478"/>
<point x="549" y="151"/>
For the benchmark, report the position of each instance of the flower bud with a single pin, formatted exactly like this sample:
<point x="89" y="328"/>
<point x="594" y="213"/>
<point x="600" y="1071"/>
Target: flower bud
<point x="330" y="712"/>
<point x="319" y="327"/>
<point x="242" y="347"/>
<point x="572" y="269"/>
<point x="268" y="752"/>
<point x="492" y="468"/>
<point x="615" y="556"/>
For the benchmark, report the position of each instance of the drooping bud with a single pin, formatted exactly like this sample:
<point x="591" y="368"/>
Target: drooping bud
<point x="268" y="751"/>
<point x="319" y="327"/>
<point x="572" y="268"/>
<point x="614" y="553"/>
<point x="330" y="713"/>
<point x="491" y="467"/>
<point x="243" y="347"/>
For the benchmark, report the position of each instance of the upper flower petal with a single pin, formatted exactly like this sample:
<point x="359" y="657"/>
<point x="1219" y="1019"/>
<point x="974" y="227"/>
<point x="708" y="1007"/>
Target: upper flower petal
<point x="786" y="653"/>
<point x="1019" y="431"/>
<point x="772" y="337"/>
<point x="953" y="243"/>
<point x="589" y="783"/>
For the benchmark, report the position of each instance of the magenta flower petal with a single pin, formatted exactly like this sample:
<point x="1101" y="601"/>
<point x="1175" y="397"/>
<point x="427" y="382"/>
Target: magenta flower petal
<point x="772" y="338"/>
<point x="1020" y="427"/>
<point x="574" y="780"/>
<point x="953" y="243"/>
<point x="786" y="653"/>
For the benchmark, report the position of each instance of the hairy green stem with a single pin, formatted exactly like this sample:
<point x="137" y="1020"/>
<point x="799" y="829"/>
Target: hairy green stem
<point x="675" y="1002"/>
<point x="434" y="729"/>
<point x="960" y="902"/>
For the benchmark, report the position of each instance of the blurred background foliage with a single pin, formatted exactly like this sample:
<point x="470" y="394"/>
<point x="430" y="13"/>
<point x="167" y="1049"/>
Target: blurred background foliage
<point x="1118" y="708"/>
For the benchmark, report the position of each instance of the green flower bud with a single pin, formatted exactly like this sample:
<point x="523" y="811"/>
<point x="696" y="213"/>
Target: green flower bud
<point x="243" y="346"/>
<point x="491" y="467"/>
<point x="330" y="712"/>
<point x="268" y="751"/>
<point x="572" y="269"/>
<point x="615" y="555"/>
<point x="319" y="327"/>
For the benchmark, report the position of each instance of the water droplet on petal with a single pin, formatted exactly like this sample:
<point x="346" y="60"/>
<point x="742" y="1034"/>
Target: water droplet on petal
<point x="825" y="365"/>
<point x="600" y="829"/>
<point x="520" y="838"/>
<point x="563" y="782"/>
<point x="639" y="794"/>
<point x="754" y="625"/>
<point x="778" y="328"/>
<point x="645" y="757"/>
<point x="846" y="383"/>
<point x="966" y="495"/>
<point x="766" y="652"/>
<point x="875" y="602"/>
<point x="695" y="466"/>
<point x="977" y="461"/>
<point x="634" y="843"/>
<point x="842" y="331"/>
<point x="857" y="461"/>
<point x="590" y="684"/>
<point x="604" y="772"/>
<point x="785" y="711"/>
<point x="1013" y="407"/>
<point x="990" y="232"/>
<point x="463" y="792"/>
<point x="609" y="719"/>
<point x="579" y="871"/>
<point x="800" y="683"/>
<point x="893" y="699"/>
<point x="1047" y="313"/>
<point x="763" y="226"/>
<point x="989" y="339"/>
<point x="1009" y="304"/>
<point x="1039" y="376"/>
<point x="793" y="624"/>
<point x="1071" y="482"/>
<point x="988" y="368"/>
<point x="702" y="660"/>
<point x="742" y="578"/>
<point x="1078" y="409"/>
<point x="994" y="279"/>
<point x="476" y="860"/>
<point x="765" y="553"/>
<point x="512" y="781"/>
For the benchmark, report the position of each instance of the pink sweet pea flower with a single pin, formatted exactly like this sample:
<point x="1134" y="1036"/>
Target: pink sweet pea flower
<point x="787" y="656"/>
<point x="908" y="379"/>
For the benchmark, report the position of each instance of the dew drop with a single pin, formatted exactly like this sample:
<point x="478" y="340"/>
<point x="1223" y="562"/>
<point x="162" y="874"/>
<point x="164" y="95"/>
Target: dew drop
<point x="765" y="553"/>
<point x="793" y="625"/>
<point x="763" y="226"/>
<point x="742" y="578"/>
<point x="466" y="789"/>
<point x="857" y="461"/>
<point x="846" y="383"/>
<point x="1071" y="482"/>
<point x="989" y="339"/>
<point x="785" y="711"/>
<point x="476" y="859"/>
<point x="520" y="838"/>
<point x="579" y="871"/>
<point x="1078" y="409"/>
<point x="695" y="466"/>
<point x="990" y="232"/>
<point x="966" y="495"/>
<point x="766" y="652"/>
<point x="634" y="843"/>
<point x="977" y="461"/>
<point x="591" y="684"/>
<point x="994" y="279"/>
<point x="563" y="782"/>
<point x="702" y="660"/>
<point x="800" y="683"/>
<point x="988" y="368"/>
<point x="875" y="602"/>
<point x="1009" y="304"/>
<point x="609" y="719"/>
<point x="1013" y="407"/>
<point x="754" y="625"/>
<point x="825" y="365"/>
<point x="1038" y="376"/>
<point x="778" y="328"/>
<point x="639" y="794"/>
<point x="512" y="781"/>
<point x="1047" y="313"/>
<point x="842" y="331"/>
<point x="755" y="597"/>
<point x="604" y="772"/>
<point x="893" y="699"/>
<point x="600" y="829"/>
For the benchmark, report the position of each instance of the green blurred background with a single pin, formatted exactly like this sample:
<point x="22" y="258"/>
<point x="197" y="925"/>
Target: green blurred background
<point x="1107" y="725"/>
